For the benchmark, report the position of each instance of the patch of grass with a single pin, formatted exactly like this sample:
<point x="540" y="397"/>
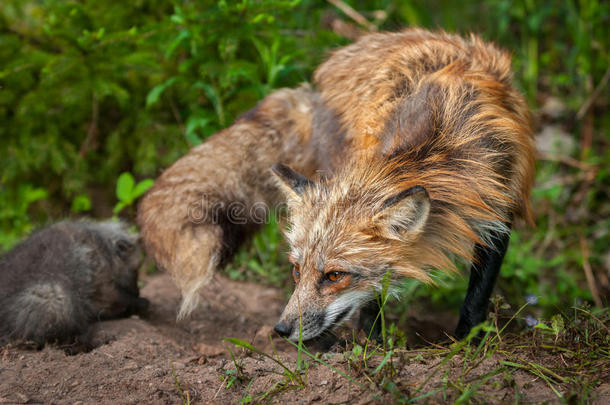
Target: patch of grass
<point x="235" y="375"/>
<point x="291" y="378"/>
<point x="185" y="397"/>
<point x="570" y="355"/>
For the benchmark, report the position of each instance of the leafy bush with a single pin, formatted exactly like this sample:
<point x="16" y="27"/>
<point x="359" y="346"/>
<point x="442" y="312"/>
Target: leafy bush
<point x="91" y="89"/>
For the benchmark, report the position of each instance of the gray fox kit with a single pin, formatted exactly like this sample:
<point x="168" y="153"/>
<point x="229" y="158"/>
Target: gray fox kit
<point x="62" y="278"/>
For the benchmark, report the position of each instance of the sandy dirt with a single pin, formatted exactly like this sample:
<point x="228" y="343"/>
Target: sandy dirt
<point x="153" y="360"/>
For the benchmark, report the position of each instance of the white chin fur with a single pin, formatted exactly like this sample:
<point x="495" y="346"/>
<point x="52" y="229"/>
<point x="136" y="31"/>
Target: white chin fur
<point x="351" y="300"/>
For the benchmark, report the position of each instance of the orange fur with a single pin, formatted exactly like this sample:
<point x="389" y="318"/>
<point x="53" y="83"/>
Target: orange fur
<point x="389" y="112"/>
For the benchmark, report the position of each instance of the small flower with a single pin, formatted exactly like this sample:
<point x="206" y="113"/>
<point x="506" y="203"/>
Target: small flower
<point x="531" y="299"/>
<point x="531" y="321"/>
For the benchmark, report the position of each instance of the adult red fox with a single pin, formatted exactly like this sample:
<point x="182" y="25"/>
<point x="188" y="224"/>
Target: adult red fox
<point x="421" y="152"/>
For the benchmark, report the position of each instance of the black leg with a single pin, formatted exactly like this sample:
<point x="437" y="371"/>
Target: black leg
<point x="483" y="275"/>
<point x="366" y="321"/>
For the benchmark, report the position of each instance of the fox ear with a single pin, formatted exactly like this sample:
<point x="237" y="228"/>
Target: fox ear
<point x="292" y="182"/>
<point x="124" y="248"/>
<point x="403" y="215"/>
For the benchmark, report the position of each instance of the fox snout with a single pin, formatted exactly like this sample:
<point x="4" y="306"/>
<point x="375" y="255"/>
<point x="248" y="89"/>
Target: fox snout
<point x="283" y="329"/>
<point x="311" y="322"/>
<point x="307" y="324"/>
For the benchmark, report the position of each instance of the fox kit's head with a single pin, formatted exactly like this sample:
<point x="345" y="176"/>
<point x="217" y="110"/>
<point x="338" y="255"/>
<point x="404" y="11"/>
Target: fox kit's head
<point x="115" y="282"/>
<point x="344" y="236"/>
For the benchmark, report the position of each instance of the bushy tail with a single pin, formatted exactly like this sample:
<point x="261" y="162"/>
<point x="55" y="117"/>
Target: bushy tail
<point x="205" y="205"/>
<point x="195" y="260"/>
<point x="46" y="312"/>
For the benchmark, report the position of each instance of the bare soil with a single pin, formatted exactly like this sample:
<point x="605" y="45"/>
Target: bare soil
<point x="155" y="360"/>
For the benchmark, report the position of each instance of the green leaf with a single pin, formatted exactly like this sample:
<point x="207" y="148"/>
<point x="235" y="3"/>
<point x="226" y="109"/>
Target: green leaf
<point x="387" y="357"/>
<point x="177" y="19"/>
<point x="31" y="195"/>
<point x="124" y="187"/>
<point x="245" y="345"/>
<point x="81" y="203"/>
<point x="213" y="95"/>
<point x="557" y="324"/>
<point x="543" y="326"/>
<point x="154" y="95"/>
<point x="142" y="187"/>
<point x="119" y="207"/>
<point x="184" y="34"/>
<point x="192" y="125"/>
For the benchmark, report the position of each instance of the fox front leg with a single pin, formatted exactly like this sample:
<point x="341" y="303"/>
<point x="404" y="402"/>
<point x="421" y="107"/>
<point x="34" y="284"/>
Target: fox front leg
<point x="483" y="275"/>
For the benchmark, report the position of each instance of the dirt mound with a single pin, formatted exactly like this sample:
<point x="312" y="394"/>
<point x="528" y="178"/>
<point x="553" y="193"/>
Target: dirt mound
<point x="134" y="359"/>
<point x="154" y="360"/>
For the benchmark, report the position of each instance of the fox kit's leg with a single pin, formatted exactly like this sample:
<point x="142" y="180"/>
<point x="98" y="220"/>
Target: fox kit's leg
<point x="209" y="201"/>
<point x="483" y="275"/>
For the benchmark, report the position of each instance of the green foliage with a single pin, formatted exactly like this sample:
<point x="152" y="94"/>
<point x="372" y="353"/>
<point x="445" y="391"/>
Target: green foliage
<point x="81" y="203"/>
<point x="292" y="378"/>
<point x="569" y="356"/>
<point x="263" y="259"/>
<point x="90" y="89"/>
<point x="14" y="218"/>
<point x="127" y="191"/>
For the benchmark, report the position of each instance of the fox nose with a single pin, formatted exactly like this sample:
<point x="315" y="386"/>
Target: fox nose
<point x="283" y="329"/>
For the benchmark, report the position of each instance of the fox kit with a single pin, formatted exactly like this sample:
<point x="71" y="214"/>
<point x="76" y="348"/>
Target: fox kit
<point x="413" y="150"/>
<point x="65" y="276"/>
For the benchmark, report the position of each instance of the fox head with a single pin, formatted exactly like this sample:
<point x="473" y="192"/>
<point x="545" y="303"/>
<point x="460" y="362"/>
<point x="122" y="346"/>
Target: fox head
<point x="115" y="283"/>
<point x="344" y="236"/>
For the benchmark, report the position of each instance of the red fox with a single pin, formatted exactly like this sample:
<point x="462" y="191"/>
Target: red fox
<point x="420" y="150"/>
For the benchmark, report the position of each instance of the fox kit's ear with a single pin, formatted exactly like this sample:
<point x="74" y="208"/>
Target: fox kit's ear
<point x="124" y="248"/>
<point x="292" y="182"/>
<point x="403" y="215"/>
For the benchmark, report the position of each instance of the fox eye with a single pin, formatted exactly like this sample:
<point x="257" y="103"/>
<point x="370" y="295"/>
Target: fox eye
<point x="334" y="276"/>
<point x="296" y="274"/>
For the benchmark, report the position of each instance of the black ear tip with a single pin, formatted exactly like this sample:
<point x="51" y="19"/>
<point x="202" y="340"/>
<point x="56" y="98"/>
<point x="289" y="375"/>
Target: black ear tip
<point x="418" y="190"/>
<point x="297" y="182"/>
<point x="281" y="170"/>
